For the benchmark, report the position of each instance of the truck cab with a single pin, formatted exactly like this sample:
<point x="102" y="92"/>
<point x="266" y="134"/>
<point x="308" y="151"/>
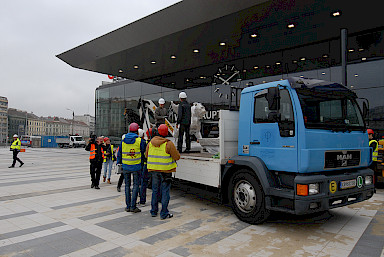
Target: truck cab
<point x="302" y="148"/>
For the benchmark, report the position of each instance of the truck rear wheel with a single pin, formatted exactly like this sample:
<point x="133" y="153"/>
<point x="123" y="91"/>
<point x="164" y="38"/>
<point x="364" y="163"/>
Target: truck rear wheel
<point x="247" y="197"/>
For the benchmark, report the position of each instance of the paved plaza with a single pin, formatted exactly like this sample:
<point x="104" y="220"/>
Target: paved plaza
<point x="47" y="208"/>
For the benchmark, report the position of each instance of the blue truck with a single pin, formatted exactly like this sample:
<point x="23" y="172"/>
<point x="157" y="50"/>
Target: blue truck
<point x="297" y="146"/>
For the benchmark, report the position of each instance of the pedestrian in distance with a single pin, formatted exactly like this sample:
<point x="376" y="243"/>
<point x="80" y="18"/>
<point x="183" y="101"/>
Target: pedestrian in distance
<point x="161" y="156"/>
<point x="131" y="149"/>
<point x="183" y="122"/>
<point x="108" y="160"/>
<point x="160" y="113"/>
<point x="96" y="159"/>
<point x="15" y="148"/>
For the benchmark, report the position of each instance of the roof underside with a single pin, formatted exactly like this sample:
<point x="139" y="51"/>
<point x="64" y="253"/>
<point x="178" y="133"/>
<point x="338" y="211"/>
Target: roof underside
<point x="178" y="30"/>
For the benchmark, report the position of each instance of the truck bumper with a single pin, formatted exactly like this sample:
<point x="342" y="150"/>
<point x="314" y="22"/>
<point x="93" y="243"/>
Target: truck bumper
<point x="331" y="194"/>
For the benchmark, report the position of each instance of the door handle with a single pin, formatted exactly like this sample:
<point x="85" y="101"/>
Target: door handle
<point x="255" y="142"/>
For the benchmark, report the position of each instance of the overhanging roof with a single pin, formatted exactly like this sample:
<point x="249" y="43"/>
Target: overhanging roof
<point x="200" y="24"/>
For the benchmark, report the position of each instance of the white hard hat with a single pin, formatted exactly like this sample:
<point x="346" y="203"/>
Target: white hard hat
<point x="182" y="95"/>
<point x="15" y="135"/>
<point x="161" y="101"/>
<point x="122" y="137"/>
<point x="141" y="132"/>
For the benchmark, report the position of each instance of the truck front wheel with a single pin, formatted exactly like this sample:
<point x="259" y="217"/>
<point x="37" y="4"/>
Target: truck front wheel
<point x="247" y="197"/>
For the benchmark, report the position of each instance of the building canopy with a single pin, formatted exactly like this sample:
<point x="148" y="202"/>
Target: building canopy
<point x="189" y="43"/>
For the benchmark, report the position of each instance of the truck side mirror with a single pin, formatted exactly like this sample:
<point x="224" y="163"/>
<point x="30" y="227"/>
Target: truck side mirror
<point x="273" y="98"/>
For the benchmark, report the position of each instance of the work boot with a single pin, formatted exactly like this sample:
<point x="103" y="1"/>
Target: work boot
<point x="11" y="166"/>
<point x="109" y="181"/>
<point x="21" y="164"/>
<point x="136" y="210"/>
<point x="118" y="189"/>
<point x="97" y="187"/>
<point x="103" y="179"/>
<point x="92" y="185"/>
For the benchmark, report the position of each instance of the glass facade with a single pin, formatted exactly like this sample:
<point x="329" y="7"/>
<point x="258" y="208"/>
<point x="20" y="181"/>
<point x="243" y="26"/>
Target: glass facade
<point x="117" y="103"/>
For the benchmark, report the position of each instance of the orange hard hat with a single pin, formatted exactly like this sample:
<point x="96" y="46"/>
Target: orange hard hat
<point x="370" y="131"/>
<point x="163" y="130"/>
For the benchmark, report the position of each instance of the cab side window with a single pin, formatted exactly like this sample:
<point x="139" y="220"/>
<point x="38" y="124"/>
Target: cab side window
<point x="262" y="114"/>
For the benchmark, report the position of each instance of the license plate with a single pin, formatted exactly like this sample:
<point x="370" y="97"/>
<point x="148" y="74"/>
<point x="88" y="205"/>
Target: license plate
<point x="347" y="184"/>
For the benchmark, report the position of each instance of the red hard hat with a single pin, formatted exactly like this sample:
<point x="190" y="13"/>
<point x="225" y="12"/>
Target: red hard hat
<point x="149" y="132"/>
<point x="370" y="131"/>
<point x="105" y="139"/>
<point x="163" y="130"/>
<point x="134" y="127"/>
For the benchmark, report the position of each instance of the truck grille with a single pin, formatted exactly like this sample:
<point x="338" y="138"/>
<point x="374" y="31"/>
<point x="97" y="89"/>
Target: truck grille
<point x="341" y="159"/>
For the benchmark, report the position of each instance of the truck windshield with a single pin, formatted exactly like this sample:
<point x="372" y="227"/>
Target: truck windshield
<point x="337" y="111"/>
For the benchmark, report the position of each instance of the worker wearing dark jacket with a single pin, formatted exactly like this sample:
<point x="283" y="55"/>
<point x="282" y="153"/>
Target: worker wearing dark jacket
<point x="131" y="149"/>
<point x="161" y="162"/>
<point x="183" y="122"/>
<point x="96" y="158"/>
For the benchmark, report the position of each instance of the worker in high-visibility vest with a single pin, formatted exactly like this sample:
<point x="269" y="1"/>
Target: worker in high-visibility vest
<point x="96" y="158"/>
<point x="108" y="159"/>
<point x="375" y="151"/>
<point x="161" y="162"/>
<point x="15" y="148"/>
<point x="131" y="149"/>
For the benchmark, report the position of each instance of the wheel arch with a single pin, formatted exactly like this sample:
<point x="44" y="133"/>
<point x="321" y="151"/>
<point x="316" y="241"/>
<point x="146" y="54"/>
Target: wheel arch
<point x="253" y="164"/>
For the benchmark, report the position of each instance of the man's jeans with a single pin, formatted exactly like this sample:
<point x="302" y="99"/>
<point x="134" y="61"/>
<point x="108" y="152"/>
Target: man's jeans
<point x="108" y="168"/>
<point x="160" y="184"/>
<point x="144" y="178"/>
<point x="131" y="202"/>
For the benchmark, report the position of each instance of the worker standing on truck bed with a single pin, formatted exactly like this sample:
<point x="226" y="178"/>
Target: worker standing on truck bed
<point x="375" y="152"/>
<point x="15" y="148"/>
<point x="184" y="120"/>
<point x="161" y="162"/>
<point x="131" y="149"/>
<point x="160" y="113"/>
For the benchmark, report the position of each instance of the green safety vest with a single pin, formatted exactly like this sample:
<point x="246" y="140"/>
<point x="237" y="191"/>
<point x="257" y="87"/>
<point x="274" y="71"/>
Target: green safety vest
<point x="159" y="159"/>
<point x="375" y="153"/>
<point x="131" y="154"/>
<point x="105" y="157"/>
<point x="16" y="145"/>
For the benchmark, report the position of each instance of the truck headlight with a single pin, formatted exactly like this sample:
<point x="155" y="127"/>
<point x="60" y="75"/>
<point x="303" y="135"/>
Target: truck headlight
<point x="313" y="189"/>
<point x="368" y="180"/>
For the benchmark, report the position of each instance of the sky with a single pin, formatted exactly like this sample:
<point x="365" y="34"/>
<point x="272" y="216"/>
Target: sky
<point x="33" y="32"/>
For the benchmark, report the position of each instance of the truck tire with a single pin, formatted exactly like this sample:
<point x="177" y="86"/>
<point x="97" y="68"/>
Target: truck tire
<point x="247" y="197"/>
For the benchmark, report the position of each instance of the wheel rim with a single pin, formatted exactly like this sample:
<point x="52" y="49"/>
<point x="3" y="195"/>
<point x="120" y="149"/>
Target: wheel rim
<point x="245" y="196"/>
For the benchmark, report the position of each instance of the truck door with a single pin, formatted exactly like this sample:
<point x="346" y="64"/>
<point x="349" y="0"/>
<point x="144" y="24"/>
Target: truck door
<point x="274" y="134"/>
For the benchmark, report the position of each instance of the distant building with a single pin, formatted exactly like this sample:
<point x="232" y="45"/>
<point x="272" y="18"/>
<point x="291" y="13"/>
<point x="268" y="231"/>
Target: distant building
<point x="3" y="119"/>
<point x="89" y="120"/>
<point x="36" y="125"/>
<point x="17" y="122"/>
<point x="80" y="128"/>
<point x="55" y="126"/>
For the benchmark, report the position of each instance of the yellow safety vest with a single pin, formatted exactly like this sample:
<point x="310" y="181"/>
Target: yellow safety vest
<point x="131" y="154"/>
<point x="159" y="159"/>
<point x="16" y="144"/>
<point x="375" y="151"/>
<point x="105" y="152"/>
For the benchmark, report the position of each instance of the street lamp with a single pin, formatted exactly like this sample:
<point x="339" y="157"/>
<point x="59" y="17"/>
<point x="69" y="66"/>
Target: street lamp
<point x="73" y="118"/>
